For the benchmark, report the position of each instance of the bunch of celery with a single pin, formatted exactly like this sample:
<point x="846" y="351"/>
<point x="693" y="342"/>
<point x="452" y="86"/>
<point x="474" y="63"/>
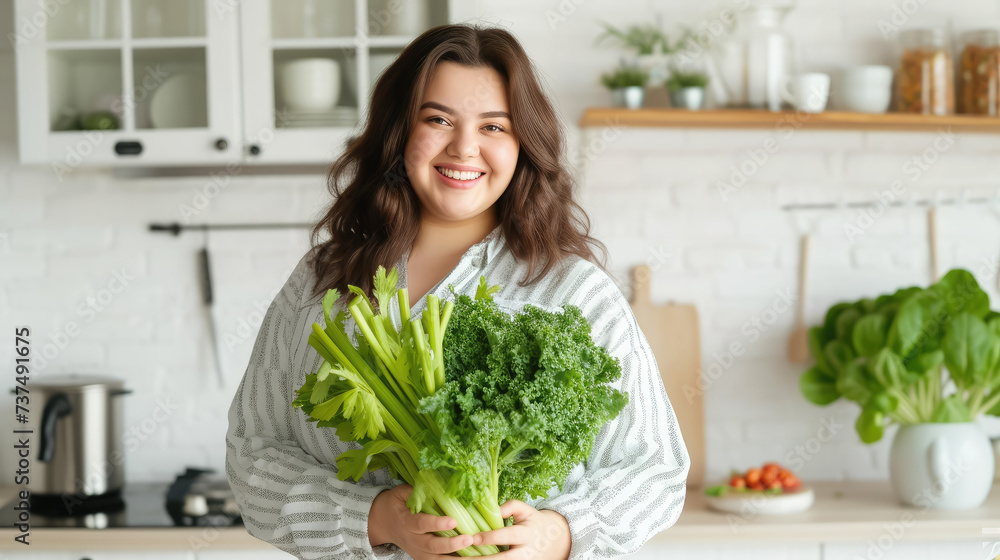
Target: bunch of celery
<point x="497" y="407"/>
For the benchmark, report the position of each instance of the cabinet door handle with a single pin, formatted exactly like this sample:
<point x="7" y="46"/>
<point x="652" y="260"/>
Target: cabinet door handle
<point x="254" y="150"/>
<point x="128" y="148"/>
<point x="221" y="144"/>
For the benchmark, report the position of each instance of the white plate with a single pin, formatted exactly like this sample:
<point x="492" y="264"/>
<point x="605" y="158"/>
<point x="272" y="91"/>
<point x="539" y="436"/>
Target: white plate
<point x="180" y="102"/>
<point x="763" y="504"/>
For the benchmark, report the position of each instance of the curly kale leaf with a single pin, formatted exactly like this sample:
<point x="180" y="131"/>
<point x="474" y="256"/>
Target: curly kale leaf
<point x="524" y="399"/>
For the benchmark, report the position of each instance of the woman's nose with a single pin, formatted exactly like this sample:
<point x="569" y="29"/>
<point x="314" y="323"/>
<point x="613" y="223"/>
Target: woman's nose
<point x="464" y="144"/>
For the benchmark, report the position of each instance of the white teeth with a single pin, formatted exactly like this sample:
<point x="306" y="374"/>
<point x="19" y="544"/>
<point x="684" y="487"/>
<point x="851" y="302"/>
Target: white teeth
<point x="460" y="175"/>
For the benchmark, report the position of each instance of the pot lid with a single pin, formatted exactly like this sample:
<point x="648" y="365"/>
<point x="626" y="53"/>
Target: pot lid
<point x="76" y="382"/>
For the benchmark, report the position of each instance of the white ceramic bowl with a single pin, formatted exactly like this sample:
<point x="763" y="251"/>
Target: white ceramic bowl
<point x="757" y="503"/>
<point x="310" y="84"/>
<point x="866" y="89"/>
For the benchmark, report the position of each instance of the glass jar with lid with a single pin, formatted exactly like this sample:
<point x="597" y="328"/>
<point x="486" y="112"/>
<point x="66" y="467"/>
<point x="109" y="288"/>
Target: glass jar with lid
<point x="979" y="79"/>
<point x="925" y="78"/>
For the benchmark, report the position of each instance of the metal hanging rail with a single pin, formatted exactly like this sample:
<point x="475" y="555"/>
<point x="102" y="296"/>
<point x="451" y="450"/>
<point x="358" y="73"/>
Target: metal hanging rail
<point x="176" y="228"/>
<point x="912" y="201"/>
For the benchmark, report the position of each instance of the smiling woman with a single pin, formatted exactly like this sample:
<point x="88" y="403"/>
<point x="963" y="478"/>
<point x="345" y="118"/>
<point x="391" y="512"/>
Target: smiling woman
<point x="458" y="161"/>
<point x="458" y="99"/>
<point x="455" y="178"/>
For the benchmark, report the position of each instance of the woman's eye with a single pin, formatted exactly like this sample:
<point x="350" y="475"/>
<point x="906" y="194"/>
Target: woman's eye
<point x="432" y="119"/>
<point x="496" y="126"/>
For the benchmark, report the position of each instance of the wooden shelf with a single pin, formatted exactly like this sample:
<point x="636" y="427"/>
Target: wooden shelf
<point x="745" y="118"/>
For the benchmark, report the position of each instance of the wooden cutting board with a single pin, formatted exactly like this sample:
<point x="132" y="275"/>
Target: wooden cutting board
<point x="672" y="332"/>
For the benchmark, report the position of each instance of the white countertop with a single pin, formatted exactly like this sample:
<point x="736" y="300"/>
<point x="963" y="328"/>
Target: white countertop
<point x="843" y="511"/>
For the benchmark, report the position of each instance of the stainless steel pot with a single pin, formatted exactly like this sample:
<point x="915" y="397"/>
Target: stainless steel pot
<point x="78" y="435"/>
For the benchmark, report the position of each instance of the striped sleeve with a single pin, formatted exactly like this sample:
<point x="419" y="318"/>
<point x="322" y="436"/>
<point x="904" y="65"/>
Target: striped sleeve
<point x="287" y="497"/>
<point x="634" y="482"/>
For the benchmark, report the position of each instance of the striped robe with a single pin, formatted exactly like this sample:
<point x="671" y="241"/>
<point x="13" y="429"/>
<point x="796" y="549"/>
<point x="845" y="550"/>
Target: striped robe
<point x="283" y="468"/>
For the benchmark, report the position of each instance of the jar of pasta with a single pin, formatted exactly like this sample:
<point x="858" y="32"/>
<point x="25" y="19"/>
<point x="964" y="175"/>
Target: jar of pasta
<point x="925" y="80"/>
<point x="979" y="79"/>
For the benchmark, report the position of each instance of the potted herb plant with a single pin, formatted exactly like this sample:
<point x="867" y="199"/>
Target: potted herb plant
<point x="626" y="85"/>
<point x="928" y="360"/>
<point x="648" y="42"/>
<point x="687" y="89"/>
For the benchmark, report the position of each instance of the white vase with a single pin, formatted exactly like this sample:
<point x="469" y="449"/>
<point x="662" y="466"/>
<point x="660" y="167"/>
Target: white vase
<point x="941" y="465"/>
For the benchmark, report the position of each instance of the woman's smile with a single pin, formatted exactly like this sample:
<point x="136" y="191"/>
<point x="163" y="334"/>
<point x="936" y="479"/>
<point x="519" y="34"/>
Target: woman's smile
<point x="458" y="179"/>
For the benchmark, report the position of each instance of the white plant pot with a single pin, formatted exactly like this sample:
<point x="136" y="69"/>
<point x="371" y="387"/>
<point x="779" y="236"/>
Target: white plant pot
<point x="633" y="96"/>
<point x="690" y="98"/>
<point x="630" y="97"/>
<point x="941" y="465"/>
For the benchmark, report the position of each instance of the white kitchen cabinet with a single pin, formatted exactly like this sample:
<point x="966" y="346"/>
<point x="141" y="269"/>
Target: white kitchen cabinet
<point x="200" y="82"/>
<point x="167" y="70"/>
<point x="362" y="37"/>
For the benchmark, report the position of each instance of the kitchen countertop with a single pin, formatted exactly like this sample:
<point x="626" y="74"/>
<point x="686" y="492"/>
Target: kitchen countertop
<point x="843" y="511"/>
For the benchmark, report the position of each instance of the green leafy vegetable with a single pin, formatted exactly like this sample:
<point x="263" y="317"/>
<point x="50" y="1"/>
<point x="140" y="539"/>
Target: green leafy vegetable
<point x="894" y="356"/>
<point x="469" y="405"/>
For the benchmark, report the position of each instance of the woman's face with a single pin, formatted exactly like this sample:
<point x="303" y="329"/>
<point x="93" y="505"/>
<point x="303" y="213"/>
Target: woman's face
<point x="462" y="151"/>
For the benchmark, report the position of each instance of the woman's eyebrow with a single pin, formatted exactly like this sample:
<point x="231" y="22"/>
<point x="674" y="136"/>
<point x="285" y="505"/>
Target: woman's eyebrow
<point x="450" y="111"/>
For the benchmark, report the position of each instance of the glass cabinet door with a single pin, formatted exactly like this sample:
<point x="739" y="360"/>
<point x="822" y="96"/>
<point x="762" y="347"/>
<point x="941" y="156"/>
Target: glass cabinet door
<point x="129" y="82"/>
<point x="204" y="82"/>
<point x="308" y="67"/>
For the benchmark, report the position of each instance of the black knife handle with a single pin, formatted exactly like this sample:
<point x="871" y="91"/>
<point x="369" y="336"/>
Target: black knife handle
<point x="205" y="272"/>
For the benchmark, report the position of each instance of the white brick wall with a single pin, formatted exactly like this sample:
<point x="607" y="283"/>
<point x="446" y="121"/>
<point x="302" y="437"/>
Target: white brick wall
<point x="652" y="196"/>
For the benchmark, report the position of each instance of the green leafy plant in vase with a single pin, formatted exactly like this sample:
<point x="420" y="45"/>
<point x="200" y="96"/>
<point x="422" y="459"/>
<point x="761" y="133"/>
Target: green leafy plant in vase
<point x="646" y="46"/>
<point x="928" y="360"/>
<point x="687" y="89"/>
<point x="626" y="85"/>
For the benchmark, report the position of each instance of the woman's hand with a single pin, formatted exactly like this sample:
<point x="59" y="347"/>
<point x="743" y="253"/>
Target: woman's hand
<point x="535" y="534"/>
<point x="390" y="521"/>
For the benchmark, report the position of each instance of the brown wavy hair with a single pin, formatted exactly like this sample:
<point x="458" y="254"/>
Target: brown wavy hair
<point x="375" y="215"/>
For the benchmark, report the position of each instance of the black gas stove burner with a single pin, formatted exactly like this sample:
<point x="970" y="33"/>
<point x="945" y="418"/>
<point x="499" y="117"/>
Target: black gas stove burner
<point x="68" y="505"/>
<point x="138" y="504"/>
